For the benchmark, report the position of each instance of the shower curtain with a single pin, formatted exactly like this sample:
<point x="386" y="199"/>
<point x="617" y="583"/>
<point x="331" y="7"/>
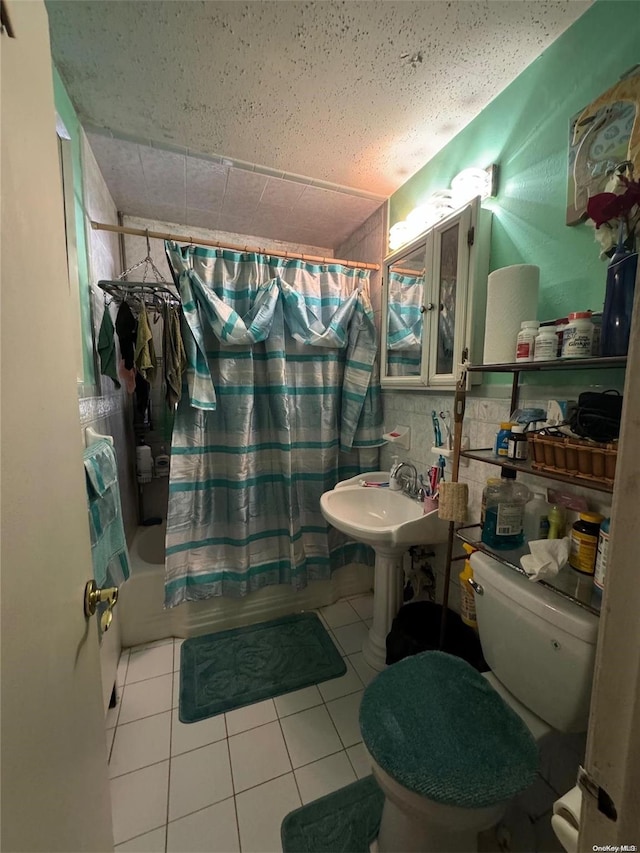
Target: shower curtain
<point x="280" y="403"/>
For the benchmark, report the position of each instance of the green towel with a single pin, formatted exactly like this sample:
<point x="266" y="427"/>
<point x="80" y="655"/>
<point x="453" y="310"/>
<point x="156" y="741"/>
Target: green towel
<point x="175" y="359"/>
<point x="145" y="354"/>
<point x="107" y="348"/>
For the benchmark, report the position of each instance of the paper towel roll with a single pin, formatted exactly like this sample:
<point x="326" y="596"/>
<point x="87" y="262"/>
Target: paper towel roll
<point x="565" y="820"/>
<point x="512" y="297"/>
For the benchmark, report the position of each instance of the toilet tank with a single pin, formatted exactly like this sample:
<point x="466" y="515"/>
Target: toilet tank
<point x="539" y="645"/>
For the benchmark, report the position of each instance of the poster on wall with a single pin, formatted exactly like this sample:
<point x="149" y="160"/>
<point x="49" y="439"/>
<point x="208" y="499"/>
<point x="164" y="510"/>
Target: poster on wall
<point x="603" y="136"/>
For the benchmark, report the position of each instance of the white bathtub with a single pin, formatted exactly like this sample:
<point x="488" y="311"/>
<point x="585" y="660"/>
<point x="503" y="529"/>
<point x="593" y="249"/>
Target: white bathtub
<point x="141" y="603"/>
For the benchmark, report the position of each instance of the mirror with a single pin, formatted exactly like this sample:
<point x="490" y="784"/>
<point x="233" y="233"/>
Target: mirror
<point x="406" y="281"/>
<point x="447" y="294"/>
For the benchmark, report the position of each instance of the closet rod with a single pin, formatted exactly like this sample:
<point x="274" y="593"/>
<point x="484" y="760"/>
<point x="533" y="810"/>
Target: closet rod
<point x="182" y="238"/>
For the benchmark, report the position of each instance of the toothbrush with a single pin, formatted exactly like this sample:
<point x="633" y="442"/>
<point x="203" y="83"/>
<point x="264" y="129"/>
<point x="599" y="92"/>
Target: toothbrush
<point x="446" y="419"/>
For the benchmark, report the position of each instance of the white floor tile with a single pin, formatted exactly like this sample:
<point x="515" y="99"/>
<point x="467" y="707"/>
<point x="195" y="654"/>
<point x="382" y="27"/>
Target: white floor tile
<point x="335" y="642"/>
<point x="150" y="842"/>
<point x="139" y="801"/>
<point x="257" y="756"/>
<point x="212" y="830"/>
<point x="344" y="713"/>
<point x="198" y="779"/>
<point x="140" y="744"/>
<point x="188" y="736"/>
<point x="360" y="760"/>
<point x="177" y="645"/>
<point x="338" y="614"/>
<point x="299" y="700"/>
<point x="310" y="735"/>
<point x="366" y="672"/>
<point x="150" y="663"/>
<point x="363" y="605"/>
<point x="324" y="776"/>
<point x="123" y="662"/>
<point x="251" y="716"/>
<point x="261" y="811"/>
<point x="337" y="687"/>
<point x="350" y="637"/>
<point x="176" y="690"/>
<point x="144" y="698"/>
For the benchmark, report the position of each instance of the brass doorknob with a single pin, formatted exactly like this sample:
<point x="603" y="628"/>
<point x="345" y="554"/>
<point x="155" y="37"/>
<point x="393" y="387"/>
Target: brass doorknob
<point x="94" y="595"/>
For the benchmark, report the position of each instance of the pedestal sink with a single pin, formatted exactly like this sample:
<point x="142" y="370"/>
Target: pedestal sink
<point x="391" y="523"/>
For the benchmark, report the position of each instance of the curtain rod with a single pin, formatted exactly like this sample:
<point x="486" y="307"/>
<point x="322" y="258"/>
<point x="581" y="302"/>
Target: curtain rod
<point x="161" y="235"/>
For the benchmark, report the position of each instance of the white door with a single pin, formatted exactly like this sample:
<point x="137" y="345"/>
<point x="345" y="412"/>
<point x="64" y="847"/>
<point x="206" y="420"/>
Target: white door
<point x="55" y="793"/>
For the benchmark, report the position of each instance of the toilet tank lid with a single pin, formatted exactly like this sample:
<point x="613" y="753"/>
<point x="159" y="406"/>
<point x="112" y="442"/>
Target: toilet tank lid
<point x="534" y="597"/>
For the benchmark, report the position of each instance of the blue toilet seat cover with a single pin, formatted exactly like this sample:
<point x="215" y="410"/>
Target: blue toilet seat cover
<point x="436" y="726"/>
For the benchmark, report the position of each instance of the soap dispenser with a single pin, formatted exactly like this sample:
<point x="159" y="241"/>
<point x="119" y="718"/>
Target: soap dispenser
<point x="394" y="483"/>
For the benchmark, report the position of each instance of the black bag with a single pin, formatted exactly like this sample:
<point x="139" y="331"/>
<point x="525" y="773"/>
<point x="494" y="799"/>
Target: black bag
<point x="597" y="415"/>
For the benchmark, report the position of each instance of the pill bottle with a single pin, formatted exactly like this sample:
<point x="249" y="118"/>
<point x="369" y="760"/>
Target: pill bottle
<point x="577" y="338"/>
<point x="526" y="340"/>
<point x="517" y="445"/>
<point x="584" y="542"/>
<point x="546" y="348"/>
<point x="502" y="439"/>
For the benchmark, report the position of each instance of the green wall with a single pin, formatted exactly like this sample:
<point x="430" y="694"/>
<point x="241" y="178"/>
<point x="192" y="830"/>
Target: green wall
<point x="525" y="131"/>
<point x="67" y="113"/>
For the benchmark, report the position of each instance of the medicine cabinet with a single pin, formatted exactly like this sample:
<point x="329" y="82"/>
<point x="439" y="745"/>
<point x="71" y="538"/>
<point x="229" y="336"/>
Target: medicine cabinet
<point x="434" y="300"/>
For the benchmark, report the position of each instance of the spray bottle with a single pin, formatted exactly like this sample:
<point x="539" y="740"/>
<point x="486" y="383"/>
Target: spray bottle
<point x="467" y="595"/>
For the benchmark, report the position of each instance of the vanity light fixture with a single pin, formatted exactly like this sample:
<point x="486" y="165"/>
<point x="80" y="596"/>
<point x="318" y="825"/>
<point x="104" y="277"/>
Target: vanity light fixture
<point x="466" y="185"/>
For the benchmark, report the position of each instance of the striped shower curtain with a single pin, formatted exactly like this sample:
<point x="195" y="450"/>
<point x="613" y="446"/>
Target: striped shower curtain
<point x="281" y="402"/>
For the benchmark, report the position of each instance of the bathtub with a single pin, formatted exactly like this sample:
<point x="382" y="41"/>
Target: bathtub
<point x="141" y="602"/>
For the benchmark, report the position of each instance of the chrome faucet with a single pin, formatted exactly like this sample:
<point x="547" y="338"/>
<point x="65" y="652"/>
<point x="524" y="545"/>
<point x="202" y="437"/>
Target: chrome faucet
<point x="408" y="484"/>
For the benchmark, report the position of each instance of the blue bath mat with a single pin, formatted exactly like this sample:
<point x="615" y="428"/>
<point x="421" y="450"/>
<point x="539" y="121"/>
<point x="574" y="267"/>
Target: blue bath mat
<point x="345" y="821"/>
<point x="219" y="672"/>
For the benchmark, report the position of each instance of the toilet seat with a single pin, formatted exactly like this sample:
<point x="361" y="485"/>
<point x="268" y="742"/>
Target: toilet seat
<point x="437" y="728"/>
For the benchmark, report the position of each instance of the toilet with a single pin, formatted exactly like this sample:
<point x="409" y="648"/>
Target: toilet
<point x="451" y="747"/>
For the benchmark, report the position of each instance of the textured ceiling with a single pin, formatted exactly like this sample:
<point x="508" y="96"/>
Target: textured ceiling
<point x="174" y="186"/>
<point x="360" y="94"/>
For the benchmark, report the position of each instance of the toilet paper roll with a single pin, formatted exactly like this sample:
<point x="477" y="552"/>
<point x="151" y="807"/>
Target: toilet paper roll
<point x="565" y="820"/>
<point x="512" y="297"/>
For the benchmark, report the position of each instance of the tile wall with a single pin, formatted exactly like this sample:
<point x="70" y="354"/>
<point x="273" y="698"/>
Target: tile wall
<point x="103" y="406"/>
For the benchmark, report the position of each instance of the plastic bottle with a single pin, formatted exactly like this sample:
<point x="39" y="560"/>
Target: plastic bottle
<point x="546" y="344"/>
<point x="491" y="482"/>
<point x="517" y="445"/>
<point x="502" y="439"/>
<point x="144" y="463"/>
<point x="557" y="521"/>
<point x="504" y="515"/>
<point x="584" y="542"/>
<point x="526" y="341"/>
<point x="467" y="596"/>
<point x="394" y="484"/>
<point x="601" y="555"/>
<point x="536" y="518"/>
<point x="618" y="303"/>
<point x="577" y="338"/>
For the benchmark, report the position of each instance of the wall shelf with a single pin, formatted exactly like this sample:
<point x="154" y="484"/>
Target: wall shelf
<point x="487" y="455"/>
<point x="600" y="363"/>
<point x="568" y="583"/>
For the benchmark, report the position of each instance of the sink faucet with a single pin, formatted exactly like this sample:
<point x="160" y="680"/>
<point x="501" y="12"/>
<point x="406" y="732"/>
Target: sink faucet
<point x="409" y="483"/>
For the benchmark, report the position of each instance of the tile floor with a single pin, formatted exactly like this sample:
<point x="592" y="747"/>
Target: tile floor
<point x="226" y="783"/>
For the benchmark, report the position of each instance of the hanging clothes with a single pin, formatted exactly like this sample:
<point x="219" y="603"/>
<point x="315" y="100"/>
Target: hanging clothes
<point x="107" y="348"/>
<point x="145" y="354"/>
<point x="282" y="402"/>
<point x="126" y="328"/>
<point x="175" y="358"/>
